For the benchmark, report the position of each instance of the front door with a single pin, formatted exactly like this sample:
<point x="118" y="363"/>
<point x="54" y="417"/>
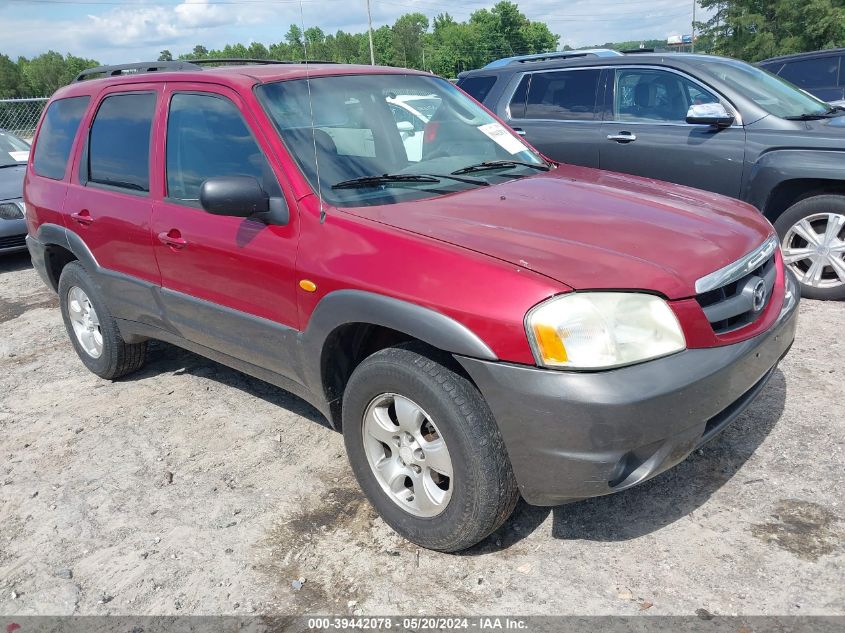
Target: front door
<point x="645" y="132"/>
<point x="227" y="282"/>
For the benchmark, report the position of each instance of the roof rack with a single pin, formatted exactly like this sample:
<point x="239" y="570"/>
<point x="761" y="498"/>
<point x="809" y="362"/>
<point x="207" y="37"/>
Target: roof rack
<point x="131" y="69"/>
<point x="561" y="55"/>
<point x="187" y="64"/>
<point x="234" y="60"/>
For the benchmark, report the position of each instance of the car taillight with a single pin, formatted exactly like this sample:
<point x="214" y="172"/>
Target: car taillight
<point x="431" y="132"/>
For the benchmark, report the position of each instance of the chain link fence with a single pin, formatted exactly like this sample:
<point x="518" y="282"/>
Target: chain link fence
<point x="20" y="116"/>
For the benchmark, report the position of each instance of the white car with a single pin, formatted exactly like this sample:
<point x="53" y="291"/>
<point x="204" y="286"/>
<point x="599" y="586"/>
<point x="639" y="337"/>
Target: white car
<point x="412" y="113"/>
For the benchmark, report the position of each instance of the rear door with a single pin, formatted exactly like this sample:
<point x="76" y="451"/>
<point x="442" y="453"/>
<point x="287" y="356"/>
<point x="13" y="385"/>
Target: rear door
<point x="108" y="201"/>
<point x="559" y="113"/>
<point x="646" y="133"/>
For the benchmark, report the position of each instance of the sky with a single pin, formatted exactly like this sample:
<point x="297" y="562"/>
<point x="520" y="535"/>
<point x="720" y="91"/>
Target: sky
<point x="112" y="31"/>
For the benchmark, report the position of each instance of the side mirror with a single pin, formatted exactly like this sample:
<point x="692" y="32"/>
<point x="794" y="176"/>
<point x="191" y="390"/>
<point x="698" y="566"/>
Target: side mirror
<point x="242" y="197"/>
<point x="710" y="114"/>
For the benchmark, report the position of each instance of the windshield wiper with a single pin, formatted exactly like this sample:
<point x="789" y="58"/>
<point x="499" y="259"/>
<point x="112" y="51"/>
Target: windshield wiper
<point x="808" y="116"/>
<point x="501" y="164"/>
<point x="398" y="179"/>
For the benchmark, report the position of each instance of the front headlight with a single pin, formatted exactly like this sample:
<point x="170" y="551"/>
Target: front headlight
<point x="600" y="330"/>
<point x="11" y="210"/>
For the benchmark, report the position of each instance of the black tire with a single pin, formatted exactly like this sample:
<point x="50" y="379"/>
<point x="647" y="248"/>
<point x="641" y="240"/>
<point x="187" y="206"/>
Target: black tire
<point x="828" y="203"/>
<point x="118" y="357"/>
<point x="484" y="493"/>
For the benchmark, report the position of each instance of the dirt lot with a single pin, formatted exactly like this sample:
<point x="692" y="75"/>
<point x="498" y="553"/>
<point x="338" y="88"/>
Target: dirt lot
<point x="193" y="489"/>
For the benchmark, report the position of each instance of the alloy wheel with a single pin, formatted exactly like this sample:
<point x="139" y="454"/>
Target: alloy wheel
<point x="85" y="322"/>
<point x="408" y="455"/>
<point x="814" y="249"/>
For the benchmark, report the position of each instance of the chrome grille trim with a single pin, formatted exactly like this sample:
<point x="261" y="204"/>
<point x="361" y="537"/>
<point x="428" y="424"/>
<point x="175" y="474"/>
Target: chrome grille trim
<point x="737" y="270"/>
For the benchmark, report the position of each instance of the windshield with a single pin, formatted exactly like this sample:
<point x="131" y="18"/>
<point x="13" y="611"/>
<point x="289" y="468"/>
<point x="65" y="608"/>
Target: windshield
<point x="356" y="129"/>
<point x="13" y="151"/>
<point x="775" y="95"/>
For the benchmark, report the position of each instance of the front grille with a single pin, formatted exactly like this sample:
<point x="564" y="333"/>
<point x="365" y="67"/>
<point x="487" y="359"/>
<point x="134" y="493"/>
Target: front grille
<point x="744" y="294"/>
<point x="12" y="241"/>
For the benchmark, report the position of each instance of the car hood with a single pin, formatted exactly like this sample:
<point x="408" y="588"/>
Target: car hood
<point x="11" y="181"/>
<point x="591" y="229"/>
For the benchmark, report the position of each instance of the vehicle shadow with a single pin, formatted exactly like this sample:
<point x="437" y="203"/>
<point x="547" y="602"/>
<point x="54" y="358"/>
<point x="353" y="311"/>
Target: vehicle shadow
<point x="658" y="502"/>
<point x="163" y="358"/>
<point x="14" y="262"/>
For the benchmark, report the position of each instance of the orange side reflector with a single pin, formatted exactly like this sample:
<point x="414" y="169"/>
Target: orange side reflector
<point x="307" y="285"/>
<point x="550" y="344"/>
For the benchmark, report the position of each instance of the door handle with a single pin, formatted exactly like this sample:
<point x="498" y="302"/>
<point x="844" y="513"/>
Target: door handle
<point x="519" y="131"/>
<point x="83" y="217"/>
<point x="172" y="238"/>
<point x="622" y="137"/>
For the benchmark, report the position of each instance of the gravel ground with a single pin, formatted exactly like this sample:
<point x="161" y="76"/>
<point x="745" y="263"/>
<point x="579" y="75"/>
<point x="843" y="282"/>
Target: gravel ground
<point x="190" y="488"/>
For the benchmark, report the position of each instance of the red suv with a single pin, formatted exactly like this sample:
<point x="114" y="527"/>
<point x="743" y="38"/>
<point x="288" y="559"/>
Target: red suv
<point x="480" y="322"/>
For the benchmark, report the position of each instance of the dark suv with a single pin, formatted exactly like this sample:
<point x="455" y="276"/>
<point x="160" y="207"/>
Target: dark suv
<point x="707" y="122"/>
<point x="480" y="322"/>
<point x="821" y="73"/>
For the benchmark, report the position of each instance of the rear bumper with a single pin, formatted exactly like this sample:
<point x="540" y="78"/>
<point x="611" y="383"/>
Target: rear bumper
<point x="37" y="255"/>
<point x="575" y="435"/>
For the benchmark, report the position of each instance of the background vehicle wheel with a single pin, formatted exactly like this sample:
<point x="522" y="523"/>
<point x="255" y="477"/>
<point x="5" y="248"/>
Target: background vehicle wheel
<point x="812" y="234"/>
<point x="92" y="329"/>
<point x="426" y="450"/>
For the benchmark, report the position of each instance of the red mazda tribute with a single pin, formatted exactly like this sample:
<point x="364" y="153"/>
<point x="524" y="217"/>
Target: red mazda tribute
<point x="480" y="322"/>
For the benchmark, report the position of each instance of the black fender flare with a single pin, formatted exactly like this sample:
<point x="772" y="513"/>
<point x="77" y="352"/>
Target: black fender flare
<point x="346" y="307"/>
<point x="54" y="234"/>
<point x="778" y="166"/>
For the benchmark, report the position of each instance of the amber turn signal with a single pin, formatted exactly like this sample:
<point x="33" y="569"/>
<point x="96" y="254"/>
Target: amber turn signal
<point x="307" y="285"/>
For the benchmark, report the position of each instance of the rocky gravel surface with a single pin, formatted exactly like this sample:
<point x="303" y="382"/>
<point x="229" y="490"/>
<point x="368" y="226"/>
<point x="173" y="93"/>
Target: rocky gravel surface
<point x="190" y="488"/>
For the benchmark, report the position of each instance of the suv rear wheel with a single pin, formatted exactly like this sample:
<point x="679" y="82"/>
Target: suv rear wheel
<point x="426" y="450"/>
<point x="92" y="329"/>
<point x="812" y="234"/>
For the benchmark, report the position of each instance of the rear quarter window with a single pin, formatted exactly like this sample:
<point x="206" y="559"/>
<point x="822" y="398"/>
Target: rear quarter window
<point x="55" y="139"/>
<point x="478" y="87"/>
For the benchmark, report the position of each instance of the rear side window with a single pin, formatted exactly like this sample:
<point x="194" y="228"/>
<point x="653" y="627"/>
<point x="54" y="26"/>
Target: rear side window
<point x="119" y="146"/>
<point x="564" y="96"/>
<point x="812" y="73"/>
<point x="207" y="137"/>
<point x="56" y="136"/>
<point x="478" y="87"/>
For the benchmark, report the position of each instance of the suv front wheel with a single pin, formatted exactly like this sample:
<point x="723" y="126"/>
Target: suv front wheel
<point x="426" y="450"/>
<point x="812" y="234"/>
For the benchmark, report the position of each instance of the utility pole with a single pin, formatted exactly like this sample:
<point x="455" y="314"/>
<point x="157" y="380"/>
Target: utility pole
<point x="692" y="45"/>
<point x="370" y="32"/>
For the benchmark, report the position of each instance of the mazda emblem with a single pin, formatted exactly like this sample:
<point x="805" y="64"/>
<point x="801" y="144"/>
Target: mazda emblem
<point x="759" y="295"/>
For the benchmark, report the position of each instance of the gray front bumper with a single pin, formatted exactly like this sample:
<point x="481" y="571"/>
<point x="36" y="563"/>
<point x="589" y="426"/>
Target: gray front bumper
<point x="12" y="234"/>
<point x="575" y="435"/>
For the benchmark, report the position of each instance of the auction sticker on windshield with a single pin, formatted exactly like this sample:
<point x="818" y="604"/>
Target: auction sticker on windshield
<point x="20" y="156"/>
<point x="499" y="135"/>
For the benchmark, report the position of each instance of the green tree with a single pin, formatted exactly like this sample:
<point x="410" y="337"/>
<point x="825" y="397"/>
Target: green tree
<point x="165" y="56"/>
<point x="12" y="82"/>
<point x="49" y="71"/>
<point x="756" y="29"/>
<point x="407" y="39"/>
<point x="199" y="52"/>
